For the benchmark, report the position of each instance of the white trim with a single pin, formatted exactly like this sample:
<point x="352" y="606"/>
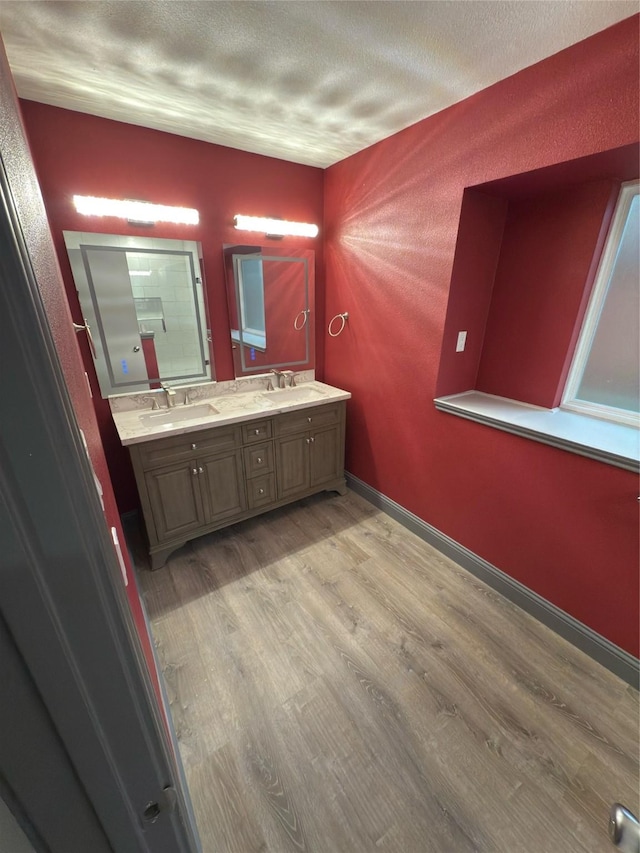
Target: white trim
<point x="570" y="401"/>
<point x="598" y="410"/>
<point x="613" y="443"/>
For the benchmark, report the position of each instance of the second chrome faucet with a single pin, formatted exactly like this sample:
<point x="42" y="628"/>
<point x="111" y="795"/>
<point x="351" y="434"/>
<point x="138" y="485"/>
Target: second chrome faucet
<point x="171" y="395"/>
<point x="283" y="378"/>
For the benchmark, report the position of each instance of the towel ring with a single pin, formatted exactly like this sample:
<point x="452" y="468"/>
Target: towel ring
<point x="87" y="328"/>
<point x="304" y="314"/>
<point x="343" y="318"/>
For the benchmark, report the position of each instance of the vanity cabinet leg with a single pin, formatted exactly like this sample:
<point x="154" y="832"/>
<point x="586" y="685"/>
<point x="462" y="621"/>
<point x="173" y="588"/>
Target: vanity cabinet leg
<point x="341" y="488"/>
<point x="160" y="557"/>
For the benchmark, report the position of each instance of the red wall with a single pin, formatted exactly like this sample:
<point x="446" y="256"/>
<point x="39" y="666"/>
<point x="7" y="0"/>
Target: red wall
<point x="547" y="253"/>
<point x="482" y="220"/>
<point x="563" y="525"/>
<point x="75" y="153"/>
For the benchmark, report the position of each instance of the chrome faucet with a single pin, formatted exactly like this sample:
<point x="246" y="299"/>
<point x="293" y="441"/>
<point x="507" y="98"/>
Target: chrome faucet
<point x="290" y="377"/>
<point x="280" y="377"/>
<point x="171" y="395"/>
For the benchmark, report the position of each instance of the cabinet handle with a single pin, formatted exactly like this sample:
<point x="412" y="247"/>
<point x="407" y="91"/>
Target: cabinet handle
<point x="309" y="420"/>
<point x="312" y="439"/>
<point x="200" y="470"/>
<point x="194" y="471"/>
<point x="259" y="460"/>
<point x="194" y="446"/>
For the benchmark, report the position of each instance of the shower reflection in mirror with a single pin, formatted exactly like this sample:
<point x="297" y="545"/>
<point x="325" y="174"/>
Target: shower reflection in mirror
<point x="143" y="298"/>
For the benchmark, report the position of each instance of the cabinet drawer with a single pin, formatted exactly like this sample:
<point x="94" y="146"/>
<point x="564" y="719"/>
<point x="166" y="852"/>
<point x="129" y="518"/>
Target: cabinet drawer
<point x="261" y="490"/>
<point x="256" y="431"/>
<point x="163" y="451"/>
<point x="307" y="419"/>
<point x="258" y="459"/>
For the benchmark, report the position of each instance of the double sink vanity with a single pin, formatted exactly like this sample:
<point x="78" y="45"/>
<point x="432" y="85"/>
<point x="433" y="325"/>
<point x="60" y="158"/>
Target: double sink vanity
<point x="210" y="455"/>
<point x="207" y="454"/>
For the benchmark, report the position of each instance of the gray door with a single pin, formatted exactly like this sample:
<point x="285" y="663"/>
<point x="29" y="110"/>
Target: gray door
<point x="66" y="617"/>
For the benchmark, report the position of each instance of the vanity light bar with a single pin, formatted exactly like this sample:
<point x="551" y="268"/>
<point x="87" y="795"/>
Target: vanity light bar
<point x="135" y="211"/>
<point x="275" y="226"/>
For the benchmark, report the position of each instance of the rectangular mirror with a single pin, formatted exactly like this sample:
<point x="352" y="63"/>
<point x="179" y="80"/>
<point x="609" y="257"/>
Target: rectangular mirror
<point x="270" y="292"/>
<point x="143" y="302"/>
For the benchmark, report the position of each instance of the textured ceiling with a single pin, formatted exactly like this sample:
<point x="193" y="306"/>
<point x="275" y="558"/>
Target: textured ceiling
<point x="306" y="81"/>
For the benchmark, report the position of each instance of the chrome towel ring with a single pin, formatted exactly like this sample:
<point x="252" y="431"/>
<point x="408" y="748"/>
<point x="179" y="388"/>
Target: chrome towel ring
<point x="304" y="314"/>
<point x="343" y="319"/>
<point x="86" y="328"/>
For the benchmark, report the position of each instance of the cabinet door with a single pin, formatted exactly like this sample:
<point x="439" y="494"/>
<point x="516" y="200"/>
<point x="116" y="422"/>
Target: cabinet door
<point x="222" y="483"/>
<point x="292" y="460"/>
<point x="174" y="495"/>
<point x="325" y="456"/>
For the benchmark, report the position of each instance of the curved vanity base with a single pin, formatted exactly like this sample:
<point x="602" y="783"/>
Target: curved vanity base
<point x="159" y="554"/>
<point x="159" y="557"/>
<point x="341" y="489"/>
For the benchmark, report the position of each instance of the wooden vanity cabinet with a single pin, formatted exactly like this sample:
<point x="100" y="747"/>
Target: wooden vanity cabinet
<point x="309" y="449"/>
<point x="195" y="483"/>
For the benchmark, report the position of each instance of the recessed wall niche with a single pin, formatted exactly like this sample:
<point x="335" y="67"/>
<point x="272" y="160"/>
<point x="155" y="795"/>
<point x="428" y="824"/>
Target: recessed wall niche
<point x="527" y="252"/>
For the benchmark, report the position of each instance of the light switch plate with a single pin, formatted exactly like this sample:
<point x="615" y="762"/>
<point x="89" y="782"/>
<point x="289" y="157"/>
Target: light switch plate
<point x="462" y="341"/>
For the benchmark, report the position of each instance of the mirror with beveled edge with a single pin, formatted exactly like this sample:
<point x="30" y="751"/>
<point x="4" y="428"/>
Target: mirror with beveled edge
<point x="270" y="293"/>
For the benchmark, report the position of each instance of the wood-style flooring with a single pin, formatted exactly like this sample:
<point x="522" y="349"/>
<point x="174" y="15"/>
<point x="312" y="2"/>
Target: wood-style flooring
<point x="337" y="686"/>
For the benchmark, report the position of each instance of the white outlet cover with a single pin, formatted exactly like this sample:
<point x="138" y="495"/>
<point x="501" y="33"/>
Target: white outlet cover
<point x="462" y="341"/>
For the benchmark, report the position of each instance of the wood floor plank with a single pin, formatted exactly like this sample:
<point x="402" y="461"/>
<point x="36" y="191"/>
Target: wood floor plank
<point x="339" y="686"/>
<point x="491" y="620"/>
<point x="220" y="801"/>
<point x="471" y="752"/>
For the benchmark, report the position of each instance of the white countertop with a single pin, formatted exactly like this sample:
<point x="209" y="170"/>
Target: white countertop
<point x="145" y="424"/>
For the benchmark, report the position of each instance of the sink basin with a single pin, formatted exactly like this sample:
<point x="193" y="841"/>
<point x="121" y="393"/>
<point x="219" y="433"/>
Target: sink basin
<point x="178" y="415"/>
<point x="292" y="395"/>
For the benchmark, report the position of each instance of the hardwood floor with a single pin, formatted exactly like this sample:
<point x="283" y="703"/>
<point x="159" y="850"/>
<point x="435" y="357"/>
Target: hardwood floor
<point x="338" y="686"/>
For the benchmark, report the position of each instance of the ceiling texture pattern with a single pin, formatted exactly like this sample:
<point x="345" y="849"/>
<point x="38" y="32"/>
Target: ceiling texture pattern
<point x="311" y="82"/>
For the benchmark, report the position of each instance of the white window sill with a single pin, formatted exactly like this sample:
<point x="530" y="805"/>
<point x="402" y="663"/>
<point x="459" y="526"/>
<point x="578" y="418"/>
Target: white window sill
<point x="615" y="444"/>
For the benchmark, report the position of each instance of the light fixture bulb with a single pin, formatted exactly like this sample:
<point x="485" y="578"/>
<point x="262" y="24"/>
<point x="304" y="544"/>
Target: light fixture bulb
<point x="135" y="211"/>
<point x="280" y="227"/>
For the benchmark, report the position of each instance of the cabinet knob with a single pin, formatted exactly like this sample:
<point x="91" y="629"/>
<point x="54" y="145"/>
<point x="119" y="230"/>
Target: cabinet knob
<point x="259" y="460"/>
<point x="312" y="439"/>
<point x="200" y="470"/>
<point x="308" y="441"/>
<point x="261" y="491"/>
<point x="194" y="446"/>
<point x="194" y="471"/>
<point x="309" y="420"/>
<point x="256" y="431"/>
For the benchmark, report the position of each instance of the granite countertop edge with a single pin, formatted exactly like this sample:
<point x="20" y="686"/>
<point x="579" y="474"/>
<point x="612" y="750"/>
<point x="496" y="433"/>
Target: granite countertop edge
<point x="249" y="405"/>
